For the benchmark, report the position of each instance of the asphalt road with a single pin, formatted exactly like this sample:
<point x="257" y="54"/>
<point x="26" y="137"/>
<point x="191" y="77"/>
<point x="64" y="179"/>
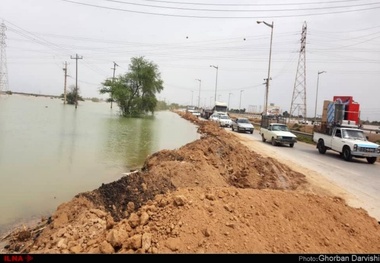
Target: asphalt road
<point x="357" y="181"/>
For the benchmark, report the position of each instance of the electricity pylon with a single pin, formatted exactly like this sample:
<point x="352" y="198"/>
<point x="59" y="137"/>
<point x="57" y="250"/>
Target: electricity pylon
<point x="299" y="91"/>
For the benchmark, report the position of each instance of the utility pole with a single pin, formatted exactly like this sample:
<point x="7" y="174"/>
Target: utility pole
<point x="199" y="96"/>
<point x="270" y="56"/>
<point x="316" y="96"/>
<point x="64" y="85"/>
<point x="113" y="79"/>
<point x="229" y="96"/>
<point x="3" y="60"/>
<point x="240" y="101"/>
<point x="76" y="78"/>
<point x="216" y="80"/>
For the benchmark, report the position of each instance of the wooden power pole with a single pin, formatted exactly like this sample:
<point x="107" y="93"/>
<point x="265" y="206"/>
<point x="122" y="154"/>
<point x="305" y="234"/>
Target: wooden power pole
<point x="76" y="78"/>
<point x="113" y="79"/>
<point x="64" y="87"/>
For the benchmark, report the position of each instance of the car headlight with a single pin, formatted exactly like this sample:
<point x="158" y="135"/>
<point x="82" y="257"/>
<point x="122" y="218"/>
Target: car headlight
<point x="279" y="137"/>
<point x="355" y="147"/>
<point x="378" y="149"/>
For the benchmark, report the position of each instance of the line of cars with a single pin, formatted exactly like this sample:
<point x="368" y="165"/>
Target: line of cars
<point x="277" y="133"/>
<point x="236" y="124"/>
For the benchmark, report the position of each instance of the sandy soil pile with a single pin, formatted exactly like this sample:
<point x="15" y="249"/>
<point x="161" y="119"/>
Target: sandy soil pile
<point x="213" y="195"/>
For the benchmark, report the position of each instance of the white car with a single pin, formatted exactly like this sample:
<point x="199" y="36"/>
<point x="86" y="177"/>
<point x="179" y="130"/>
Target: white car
<point x="196" y="113"/>
<point x="224" y="121"/>
<point x="277" y="134"/>
<point x="214" y="117"/>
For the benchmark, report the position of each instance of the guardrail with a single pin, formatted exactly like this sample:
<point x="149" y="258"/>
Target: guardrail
<point x="310" y="135"/>
<point x="372" y="130"/>
<point x="304" y="134"/>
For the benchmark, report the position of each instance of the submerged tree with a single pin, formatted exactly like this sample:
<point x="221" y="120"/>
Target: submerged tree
<point x="72" y="97"/>
<point x="135" y="91"/>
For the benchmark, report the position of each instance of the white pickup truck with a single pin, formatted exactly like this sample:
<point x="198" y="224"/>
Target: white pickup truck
<point x="348" y="142"/>
<point x="277" y="133"/>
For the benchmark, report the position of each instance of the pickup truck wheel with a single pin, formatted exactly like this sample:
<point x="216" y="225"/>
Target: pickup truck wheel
<point x="291" y="145"/>
<point x="263" y="138"/>
<point x="371" y="160"/>
<point x="321" y="147"/>
<point x="232" y="128"/>
<point x="347" y="153"/>
<point x="273" y="142"/>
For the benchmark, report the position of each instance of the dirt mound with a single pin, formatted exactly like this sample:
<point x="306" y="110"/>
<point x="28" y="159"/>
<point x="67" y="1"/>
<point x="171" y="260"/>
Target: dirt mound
<point x="213" y="195"/>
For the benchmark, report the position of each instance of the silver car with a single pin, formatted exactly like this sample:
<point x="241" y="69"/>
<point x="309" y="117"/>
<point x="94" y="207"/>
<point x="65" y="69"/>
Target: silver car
<point x="242" y="125"/>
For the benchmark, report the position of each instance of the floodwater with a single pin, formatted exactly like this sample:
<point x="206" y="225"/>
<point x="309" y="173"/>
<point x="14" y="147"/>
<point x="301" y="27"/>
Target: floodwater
<point x="49" y="151"/>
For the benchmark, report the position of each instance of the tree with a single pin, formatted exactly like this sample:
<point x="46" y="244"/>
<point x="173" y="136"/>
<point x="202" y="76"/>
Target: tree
<point x="73" y="96"/>
<point x="135" y="91"/>
<point x="161" y="105"/>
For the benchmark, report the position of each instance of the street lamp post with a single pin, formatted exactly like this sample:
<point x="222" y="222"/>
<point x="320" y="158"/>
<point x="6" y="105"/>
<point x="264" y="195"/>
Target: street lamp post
<point x="240" y="101"/>
<point x="316" y="96"/>
<point x="270" y="56"/>
<point x="216" y="80"/>
<point x="199" y="95"/>
<point x="228" y="106"/>
<point x="192" y="93"/>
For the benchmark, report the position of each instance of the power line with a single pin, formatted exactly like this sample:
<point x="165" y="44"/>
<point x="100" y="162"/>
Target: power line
<point x="244" y="10"/>
<point x="34" y="38"/>
<point x="234" y="4"/>
<point x="348" y="10"/>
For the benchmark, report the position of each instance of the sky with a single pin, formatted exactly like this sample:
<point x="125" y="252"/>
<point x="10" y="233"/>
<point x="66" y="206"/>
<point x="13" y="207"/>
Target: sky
<point x="204" y="50"/>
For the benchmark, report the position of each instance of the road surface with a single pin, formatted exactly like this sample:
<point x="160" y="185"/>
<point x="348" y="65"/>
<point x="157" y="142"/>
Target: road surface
<point x="357" y="182"/>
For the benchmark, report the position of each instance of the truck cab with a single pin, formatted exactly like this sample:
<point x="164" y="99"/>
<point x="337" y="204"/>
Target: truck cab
<point x="349" y="142"/>
<point x="339" y="131"/>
